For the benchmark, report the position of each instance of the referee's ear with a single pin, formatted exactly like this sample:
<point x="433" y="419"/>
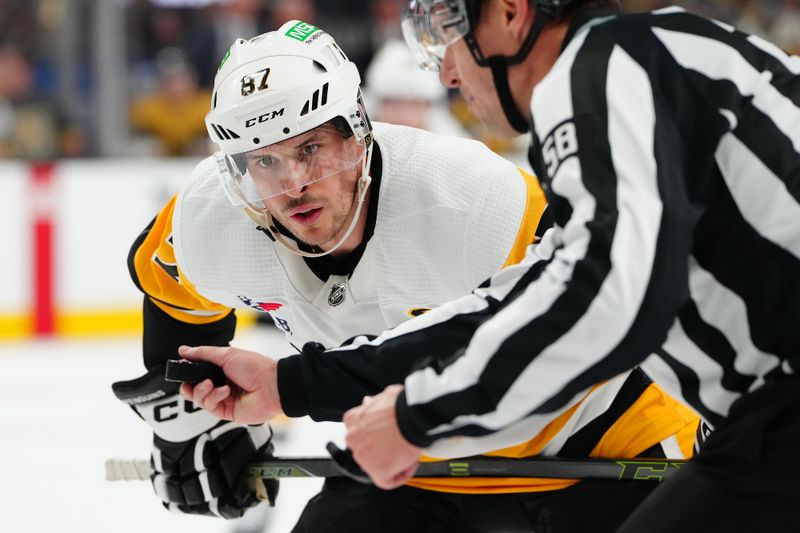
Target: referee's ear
<point x="514" y="18"/>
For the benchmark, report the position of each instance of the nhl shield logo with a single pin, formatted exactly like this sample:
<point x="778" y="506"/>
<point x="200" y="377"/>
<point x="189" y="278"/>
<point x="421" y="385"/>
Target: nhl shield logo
<point x="336" y="296"/>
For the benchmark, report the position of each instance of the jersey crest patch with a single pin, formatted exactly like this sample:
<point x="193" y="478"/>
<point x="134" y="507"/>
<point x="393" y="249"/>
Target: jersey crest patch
<point x="336" y="296"/>
<point x="264" y="307"/>
<point x="417" y="311"/>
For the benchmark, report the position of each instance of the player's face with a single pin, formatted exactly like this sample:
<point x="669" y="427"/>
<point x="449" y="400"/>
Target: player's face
<point x="319" y="212"/>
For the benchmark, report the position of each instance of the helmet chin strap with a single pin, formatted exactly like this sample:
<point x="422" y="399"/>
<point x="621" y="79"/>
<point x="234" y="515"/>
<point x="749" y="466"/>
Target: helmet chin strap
<point x="263" y="218"/>
<point x="499" y="67"/>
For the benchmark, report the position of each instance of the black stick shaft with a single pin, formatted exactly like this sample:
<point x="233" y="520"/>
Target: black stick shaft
<point x="622" y="469"/>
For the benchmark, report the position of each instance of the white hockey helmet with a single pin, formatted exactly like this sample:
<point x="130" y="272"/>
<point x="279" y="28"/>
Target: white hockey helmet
<point x="274" y="87"/>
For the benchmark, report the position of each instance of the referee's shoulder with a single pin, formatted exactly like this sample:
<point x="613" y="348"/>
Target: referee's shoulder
<point x="672" y="18"/>
<point x="633" y="33"/>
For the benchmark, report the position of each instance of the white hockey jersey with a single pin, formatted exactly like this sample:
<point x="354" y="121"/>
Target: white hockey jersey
<point x="449" y="214"/>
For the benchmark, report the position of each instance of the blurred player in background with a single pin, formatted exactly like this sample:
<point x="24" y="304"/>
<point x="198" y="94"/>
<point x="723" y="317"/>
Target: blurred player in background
<point x="399" y="92"/>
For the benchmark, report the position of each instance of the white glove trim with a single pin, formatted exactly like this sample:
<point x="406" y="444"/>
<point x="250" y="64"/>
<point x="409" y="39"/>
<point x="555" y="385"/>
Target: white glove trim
<point x="199" y="447"/>
<point x="160" y="487"/>
<point x="213" y="506"/>
<point x="156" y="455"/>
<point x="202" y="477"/>
<point x="224" y="428"/>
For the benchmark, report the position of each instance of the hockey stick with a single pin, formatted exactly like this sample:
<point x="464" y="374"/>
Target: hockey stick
<point x="341" y="462"/>
<point x="479" y="466"/>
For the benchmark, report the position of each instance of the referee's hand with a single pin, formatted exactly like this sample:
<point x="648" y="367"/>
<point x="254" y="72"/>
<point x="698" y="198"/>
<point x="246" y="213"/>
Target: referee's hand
<point x="376" y="442"/>
<point x="252" y="395"/>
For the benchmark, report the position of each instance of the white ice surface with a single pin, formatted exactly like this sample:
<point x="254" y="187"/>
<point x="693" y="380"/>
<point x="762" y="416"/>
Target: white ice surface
<point x="59" y="422"/>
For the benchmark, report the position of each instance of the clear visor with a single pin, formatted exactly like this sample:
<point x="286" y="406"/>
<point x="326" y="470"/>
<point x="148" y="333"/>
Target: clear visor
<point x="430" y="27"/>
<point x="254" y="176"/>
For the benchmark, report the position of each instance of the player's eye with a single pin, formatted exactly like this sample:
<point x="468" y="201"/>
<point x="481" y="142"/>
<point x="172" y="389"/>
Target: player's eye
<point x="266" y="161"/>
<point x="308" y="150"/>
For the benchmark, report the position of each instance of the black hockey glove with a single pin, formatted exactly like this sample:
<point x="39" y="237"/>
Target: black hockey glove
<point x="197" y="459"/>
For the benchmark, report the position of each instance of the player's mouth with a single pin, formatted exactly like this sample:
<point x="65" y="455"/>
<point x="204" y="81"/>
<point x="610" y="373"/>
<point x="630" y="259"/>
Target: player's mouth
<point x="306" y="215"/>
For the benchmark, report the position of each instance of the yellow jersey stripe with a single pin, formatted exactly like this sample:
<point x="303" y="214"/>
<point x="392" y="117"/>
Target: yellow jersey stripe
<point x="535" y="205"/>
<point x="159" y="277"/>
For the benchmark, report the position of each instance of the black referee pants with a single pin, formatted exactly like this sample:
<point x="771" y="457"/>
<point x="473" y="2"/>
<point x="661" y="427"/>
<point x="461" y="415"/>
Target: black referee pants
<point x="745" y="479"/>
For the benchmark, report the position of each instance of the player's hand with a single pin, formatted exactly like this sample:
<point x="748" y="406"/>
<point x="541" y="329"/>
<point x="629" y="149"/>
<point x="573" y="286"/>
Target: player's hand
<point x="252" y="396"/>
<point x="376" y="442"/>
<point x="198" y="460"/>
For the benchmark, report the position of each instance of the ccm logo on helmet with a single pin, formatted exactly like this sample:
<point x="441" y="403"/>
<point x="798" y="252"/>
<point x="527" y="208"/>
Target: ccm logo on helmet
<point x="269" y="115"/>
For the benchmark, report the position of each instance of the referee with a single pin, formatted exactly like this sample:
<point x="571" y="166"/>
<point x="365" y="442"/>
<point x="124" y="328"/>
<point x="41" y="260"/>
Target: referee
<point x="669" y="145"/>
<point x="669" y="149"/>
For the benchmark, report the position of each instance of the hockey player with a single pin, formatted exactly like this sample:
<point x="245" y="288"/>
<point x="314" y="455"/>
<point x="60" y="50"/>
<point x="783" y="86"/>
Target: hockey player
<point x="336" y="227"/>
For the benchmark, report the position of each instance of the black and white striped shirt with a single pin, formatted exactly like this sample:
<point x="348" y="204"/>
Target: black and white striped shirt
<point x="669" y="146"/>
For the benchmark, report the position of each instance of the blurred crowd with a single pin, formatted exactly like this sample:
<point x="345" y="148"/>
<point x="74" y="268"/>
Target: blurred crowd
<point x="172" y="48"/>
